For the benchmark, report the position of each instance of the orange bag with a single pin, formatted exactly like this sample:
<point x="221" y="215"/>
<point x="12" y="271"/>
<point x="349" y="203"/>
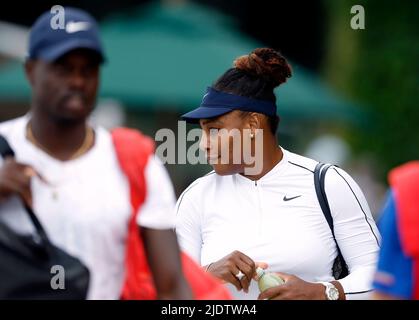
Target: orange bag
<point x="133" y="150"/>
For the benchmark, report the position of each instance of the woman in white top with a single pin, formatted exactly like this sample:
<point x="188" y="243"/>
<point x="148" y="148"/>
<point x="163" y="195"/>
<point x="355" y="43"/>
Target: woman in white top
<point x="233" y="219"/>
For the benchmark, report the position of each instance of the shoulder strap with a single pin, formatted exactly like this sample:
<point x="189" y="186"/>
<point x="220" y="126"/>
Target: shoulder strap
<point x="7" y="151"/>
<point x="339" y="268"/>
<point x="319" y="177"/>
<point x="133" y="150"/>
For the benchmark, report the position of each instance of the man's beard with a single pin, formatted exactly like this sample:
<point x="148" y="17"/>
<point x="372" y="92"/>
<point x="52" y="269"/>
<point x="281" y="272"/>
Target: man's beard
<point x="67" y="119"/>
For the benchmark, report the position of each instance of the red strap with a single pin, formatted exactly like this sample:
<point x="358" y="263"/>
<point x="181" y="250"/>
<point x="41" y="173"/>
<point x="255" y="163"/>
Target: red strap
<point x="203" y="285"/>
<point x="133" y="150"/>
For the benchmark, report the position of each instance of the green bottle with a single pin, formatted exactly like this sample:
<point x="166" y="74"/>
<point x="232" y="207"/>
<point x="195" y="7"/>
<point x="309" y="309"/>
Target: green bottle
<point x="267" y="280"/>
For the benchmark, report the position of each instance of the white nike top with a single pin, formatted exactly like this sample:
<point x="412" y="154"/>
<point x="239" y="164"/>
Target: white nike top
<point x="87" y="208"/>
<point x="278" y="220"/>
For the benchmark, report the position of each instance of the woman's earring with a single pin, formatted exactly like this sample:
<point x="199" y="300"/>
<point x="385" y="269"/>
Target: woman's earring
<point x="252" y="136"/>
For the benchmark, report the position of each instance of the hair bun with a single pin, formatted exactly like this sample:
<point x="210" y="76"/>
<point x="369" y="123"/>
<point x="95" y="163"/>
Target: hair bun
<point x="266" y="63"/>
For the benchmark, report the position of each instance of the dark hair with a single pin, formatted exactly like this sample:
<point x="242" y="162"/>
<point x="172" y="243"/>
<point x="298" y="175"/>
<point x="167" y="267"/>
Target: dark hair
<point x="256" y="75"/>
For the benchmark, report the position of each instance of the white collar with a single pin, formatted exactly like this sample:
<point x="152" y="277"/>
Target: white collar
<point x="271" y="174"/>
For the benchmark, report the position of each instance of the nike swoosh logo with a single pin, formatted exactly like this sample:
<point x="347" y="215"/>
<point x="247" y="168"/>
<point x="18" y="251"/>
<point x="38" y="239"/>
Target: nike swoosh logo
<point x="73" y="27"/>
<point x="292" y="198"/>
<point x="205" y="95"/>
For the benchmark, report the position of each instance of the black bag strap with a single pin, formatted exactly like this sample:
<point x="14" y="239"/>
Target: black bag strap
<point x="7" y="151"/>
<point x="319" y="178"/>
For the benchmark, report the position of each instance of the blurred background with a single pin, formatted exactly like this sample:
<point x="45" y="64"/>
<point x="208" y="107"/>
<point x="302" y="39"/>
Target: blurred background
<point x="353" y="99"/>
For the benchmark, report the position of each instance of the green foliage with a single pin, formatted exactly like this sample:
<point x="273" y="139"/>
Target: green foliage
<point x="382" y="72"/>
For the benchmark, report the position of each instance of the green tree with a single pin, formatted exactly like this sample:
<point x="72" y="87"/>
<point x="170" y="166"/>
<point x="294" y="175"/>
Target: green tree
<point x="379" y="67"/>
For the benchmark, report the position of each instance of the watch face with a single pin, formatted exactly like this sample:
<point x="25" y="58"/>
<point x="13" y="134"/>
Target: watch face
<point x="333" y="294"/>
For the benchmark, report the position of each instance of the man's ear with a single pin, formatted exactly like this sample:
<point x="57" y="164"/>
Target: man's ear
<point x="30" y="71"/>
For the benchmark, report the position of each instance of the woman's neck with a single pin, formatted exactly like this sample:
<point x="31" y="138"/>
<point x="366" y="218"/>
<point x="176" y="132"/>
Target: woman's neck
<point x="272" y="154"/>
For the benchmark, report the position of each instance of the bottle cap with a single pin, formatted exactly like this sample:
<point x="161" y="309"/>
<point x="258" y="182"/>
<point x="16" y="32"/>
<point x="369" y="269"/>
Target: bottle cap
<point x="259" y="273"/>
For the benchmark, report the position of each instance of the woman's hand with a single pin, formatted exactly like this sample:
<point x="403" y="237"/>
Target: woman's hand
<point x="294" y="288"/>
<point x="228" y="267"/>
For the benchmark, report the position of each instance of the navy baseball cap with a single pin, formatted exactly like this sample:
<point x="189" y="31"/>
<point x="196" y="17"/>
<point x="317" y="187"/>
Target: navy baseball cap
<point x="216" y="103"/>
<point x="49" y="41"/>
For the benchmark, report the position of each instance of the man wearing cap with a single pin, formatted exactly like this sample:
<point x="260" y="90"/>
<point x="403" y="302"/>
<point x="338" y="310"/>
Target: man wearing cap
<point x="70" y="172"/>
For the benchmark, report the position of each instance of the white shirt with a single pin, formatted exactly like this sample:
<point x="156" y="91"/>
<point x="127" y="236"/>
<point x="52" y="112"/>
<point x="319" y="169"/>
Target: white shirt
<point x="219" y="214"/>
<point x="87" y="208"/>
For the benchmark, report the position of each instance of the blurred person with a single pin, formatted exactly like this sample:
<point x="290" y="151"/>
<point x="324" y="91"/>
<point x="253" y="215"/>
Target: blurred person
<point x="69" y="170"/>
<point x="397" y="275"/>
<point x="231" y="222"/>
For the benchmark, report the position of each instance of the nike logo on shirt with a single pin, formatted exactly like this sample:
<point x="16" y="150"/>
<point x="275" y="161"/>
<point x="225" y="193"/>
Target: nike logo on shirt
<point x="73" y="27"/>
<point x="292" y="198"/>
